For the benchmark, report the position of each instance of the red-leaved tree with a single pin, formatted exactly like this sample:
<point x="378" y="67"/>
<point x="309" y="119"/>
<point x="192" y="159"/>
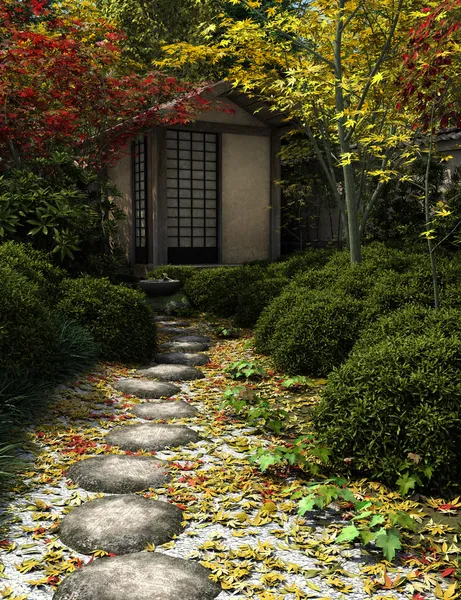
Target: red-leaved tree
<point x="65" y="86"/>
<point x="432" y="76"/>
<point x="431" y="90"/>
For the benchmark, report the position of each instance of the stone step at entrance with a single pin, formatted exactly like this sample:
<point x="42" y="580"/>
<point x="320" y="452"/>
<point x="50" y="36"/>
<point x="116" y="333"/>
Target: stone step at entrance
<point x="171" y="373"/>
<point x="141" y="576"/>
<point x="165" y="323"/>
<point x="120" y="524"/>
<point x="146" y="389"/>
<point x="201" y="339"/>
<point x="167" y="330"/>
<point x="171" y="409"/>
<point x="118" y="473"/>
<point x="182" y="358"/>
<point x="151" y="437"/>
<point x="184" y="346"/>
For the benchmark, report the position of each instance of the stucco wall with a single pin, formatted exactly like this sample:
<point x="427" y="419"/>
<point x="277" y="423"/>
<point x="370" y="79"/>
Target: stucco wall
<point x="245" y="198"/>
<point x="120" y="176"/>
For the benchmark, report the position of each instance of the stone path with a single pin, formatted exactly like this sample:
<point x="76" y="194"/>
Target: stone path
<point x="171" y="373"/>
<point x="140" y="576"/>
<point x="125" y="523"/>
<point x="224" y="521"/>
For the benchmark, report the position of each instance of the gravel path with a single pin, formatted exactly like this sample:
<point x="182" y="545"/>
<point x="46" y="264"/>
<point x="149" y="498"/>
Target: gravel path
<point x="232" y="532"/>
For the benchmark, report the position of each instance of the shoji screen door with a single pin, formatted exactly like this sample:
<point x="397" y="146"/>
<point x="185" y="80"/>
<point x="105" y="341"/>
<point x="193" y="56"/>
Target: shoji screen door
<point x="192" y="197"/>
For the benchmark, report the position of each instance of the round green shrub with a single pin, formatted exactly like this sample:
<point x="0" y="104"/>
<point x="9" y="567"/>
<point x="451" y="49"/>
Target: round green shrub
<point x="394" y="290"/>
<point x="338" y="280"/>
<point x="271" y="315"/>
<point x="312" y="258"/>
<point x="398" y="397"/>
<point x="316" y="333"/>
<point x="180" y="272"/>
<point x="218" y="290"/>
<point x="255" y="298"/>
<point x="410" y="320"/>
<point x="28" y="333"/>
<point x="33" y="264"/>
<point x="119" y="318"/>
<point x="383" y="257"/>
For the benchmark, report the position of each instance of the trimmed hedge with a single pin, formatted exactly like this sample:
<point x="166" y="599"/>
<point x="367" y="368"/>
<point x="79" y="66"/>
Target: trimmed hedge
<point x="398" y="395"/>
<point x="33" y="264"/>
<point x="387" y="279"/>
<point x="119" y="318"/>
<point x="38" y="348"/>
<point x="316" y="332"/>
<point x="312" y="258"/>
<point x="218" y="290"/>
<point x="255" y="298"/>
<point x="28" y="333"/>
<point x="273" y="314"/>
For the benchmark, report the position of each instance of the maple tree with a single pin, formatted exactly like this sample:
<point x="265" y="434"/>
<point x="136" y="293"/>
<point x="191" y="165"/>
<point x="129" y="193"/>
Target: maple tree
<point x="333" y="69"/>
<point x="431" y="87"/>
<point x="65" y="85"/>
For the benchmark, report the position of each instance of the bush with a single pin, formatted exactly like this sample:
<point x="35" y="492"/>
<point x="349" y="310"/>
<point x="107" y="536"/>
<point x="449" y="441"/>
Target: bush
<point x="33" y="264"/>
<point x="315" y="332"/>
<point x="180" y="272"/>
<point x="387" y="279"/>
<point x="28" y="333"/>
<point x="64" y="209"/>
<point x="255" y="298"/>
<point x="300" y="261"/>
<point x="218" y="290"/>
<point x="119" y="318"/>
<point x="398" y="394"/>
<point x="410" y="320"/>
<point x="37" y="348"/>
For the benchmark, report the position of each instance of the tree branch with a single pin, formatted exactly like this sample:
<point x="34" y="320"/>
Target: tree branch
<point x="378" y="63"/>
<point x="296" y="41"/>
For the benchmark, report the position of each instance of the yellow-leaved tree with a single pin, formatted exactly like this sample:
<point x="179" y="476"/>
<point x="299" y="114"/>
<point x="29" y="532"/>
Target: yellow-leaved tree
<point x="334" y="68"/>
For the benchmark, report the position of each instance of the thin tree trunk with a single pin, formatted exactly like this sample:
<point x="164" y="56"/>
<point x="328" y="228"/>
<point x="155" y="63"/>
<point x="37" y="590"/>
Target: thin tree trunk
<point x="352" y="215"/>
<point x="430" y="247"/>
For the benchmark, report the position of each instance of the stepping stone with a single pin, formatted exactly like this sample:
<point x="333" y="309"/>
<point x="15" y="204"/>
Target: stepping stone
<point x="201" y="339"/>
<point x="165" y="323"/>
<point x="184" y="346"/>
<point x="182" y="358"/>
<point x="120" y="524"/>
<point x="118" y="473"/>
<point x="173" y="409"/>
<point x="140" y="576"/>
<point x="149" y="436"/>
<point x="171" y="373"/>
<point x="164" y="318"/>
<point x="177" y="330"/>
<point x="146" y="389"/>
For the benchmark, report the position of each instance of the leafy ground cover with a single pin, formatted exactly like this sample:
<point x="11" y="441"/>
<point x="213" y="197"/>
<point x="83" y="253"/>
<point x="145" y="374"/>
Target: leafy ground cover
<point x="266" y="529"/>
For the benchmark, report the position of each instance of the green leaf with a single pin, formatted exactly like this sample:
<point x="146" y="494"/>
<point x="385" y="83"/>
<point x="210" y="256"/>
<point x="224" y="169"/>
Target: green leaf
<point x="362" y="515"/>
<point x="406" y="483"/>
<point x="348" y="534"/>
<point x="347" y="495"/>
<point x="403" y="520"/>
<point x="377" y="520"/>
<point x="367" y="536"/>
<point x="306" y="504"/>
<point x="266" y="460"/>
<point x="363" y="505"/>
<point x="389" y="542"/>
